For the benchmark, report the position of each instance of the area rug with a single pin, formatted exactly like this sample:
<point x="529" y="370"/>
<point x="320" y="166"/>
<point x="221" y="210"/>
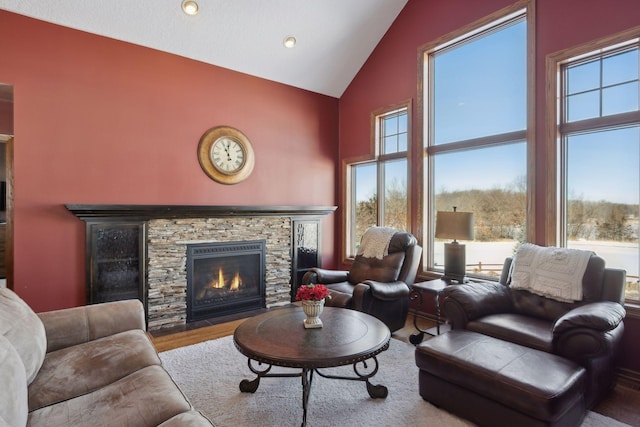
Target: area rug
<point x="209" y="374"/>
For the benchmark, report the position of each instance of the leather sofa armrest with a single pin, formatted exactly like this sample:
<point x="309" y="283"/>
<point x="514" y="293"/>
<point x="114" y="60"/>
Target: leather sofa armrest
<point x="591" y="331"/>
<point x="388" y="291"/>
<point x="77" y="325"/>
<point x="469" y="301"/>
<point x="600" y="316"/>
<point x="324" y="277"/>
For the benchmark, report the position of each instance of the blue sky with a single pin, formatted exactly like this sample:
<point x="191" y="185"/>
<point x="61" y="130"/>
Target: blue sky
<point x="611" y="173"/>
<point x="490" y="98"/>
<point x="604" y="165"/>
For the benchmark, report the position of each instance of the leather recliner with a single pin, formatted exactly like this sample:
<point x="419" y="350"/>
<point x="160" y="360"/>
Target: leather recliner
<point x="588" y="332"/>
<point x="379" y="287"/>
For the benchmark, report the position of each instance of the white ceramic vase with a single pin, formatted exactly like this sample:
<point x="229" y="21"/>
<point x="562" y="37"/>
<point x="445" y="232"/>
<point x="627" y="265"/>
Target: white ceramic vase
<point x="313" y="309"/>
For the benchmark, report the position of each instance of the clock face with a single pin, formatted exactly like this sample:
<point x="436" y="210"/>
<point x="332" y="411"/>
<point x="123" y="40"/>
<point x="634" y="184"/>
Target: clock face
<point x="227" y="155"/>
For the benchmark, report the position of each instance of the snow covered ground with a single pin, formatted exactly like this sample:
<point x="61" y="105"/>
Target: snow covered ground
<point x="616" y="254"/>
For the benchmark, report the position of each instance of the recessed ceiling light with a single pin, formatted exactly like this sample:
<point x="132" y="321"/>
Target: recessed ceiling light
<point x="190" y="7"/>
<point x="289" y="42"/>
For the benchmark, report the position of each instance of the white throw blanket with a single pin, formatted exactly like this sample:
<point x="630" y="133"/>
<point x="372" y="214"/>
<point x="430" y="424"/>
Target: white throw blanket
<point x="375" y="242"/>
<point x="550" y="271"/>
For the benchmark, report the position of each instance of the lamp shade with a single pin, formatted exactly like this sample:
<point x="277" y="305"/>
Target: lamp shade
<point x="454" y="225"/>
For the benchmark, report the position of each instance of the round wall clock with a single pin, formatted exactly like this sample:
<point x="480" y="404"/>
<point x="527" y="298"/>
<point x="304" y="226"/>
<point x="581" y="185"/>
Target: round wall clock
<point x="226" y="155"/>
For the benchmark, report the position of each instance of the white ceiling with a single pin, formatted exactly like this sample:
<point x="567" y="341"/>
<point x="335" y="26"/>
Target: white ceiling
<point x="335" y="37"/>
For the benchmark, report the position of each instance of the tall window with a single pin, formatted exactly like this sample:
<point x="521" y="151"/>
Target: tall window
<point x="475" y="130"/>
<point x="599" y="155"/>
<point x="378" y="187"/>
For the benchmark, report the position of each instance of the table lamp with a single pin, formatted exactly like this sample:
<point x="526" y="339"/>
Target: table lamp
<point x="454" y="225"/>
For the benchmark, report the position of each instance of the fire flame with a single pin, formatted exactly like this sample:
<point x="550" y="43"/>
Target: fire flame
<point x="235" y="283"/>
<point x="219" y="284"/>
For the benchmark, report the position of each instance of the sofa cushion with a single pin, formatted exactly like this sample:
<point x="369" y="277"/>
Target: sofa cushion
<point x="13" y="394"/>
<point x="147" y="397"/>
<point x="593" y="279"/>
<point x="517" y="328"/>
<point x="529" y="304"/>
<point x="77" y="325"/>
<point x="546" y="308"/>
<point x="386" y="269"/>
<point x="341" y="294"/>
<point x="83" y="368"/>
<point x="381" y="270"/>
<point x="24" y="329"/>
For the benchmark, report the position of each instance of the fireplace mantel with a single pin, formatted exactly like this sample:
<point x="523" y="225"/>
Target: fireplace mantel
<point x="146" y="212"/>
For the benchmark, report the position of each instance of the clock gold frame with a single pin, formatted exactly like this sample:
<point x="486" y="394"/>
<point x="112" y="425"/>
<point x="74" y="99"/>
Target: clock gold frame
<point x="206" y="162"/>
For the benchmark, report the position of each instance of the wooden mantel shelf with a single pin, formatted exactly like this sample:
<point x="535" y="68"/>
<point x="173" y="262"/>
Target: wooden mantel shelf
<point x="146" y="212"/>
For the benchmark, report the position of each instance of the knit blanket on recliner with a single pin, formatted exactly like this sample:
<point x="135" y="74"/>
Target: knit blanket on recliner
<point x="550" y="271"/>
<point x="375" y="242"/>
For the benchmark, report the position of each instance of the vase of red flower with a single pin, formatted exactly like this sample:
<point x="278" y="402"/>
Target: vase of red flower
<point x="312" y="297"/>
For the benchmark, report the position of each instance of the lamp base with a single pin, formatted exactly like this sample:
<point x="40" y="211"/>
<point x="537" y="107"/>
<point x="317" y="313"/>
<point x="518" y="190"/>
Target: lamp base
<point x="455" y="279"/>
<point x="454" y="263"/>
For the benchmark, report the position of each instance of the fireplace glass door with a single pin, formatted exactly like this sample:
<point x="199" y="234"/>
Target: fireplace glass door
<point x="115" y="261"/>
<point x="225" y="278"/>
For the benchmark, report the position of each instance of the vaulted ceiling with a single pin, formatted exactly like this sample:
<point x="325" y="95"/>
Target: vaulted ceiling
<point x="334" y="37"/>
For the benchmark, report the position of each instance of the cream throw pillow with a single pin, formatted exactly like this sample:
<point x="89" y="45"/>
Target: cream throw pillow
<point x="24" y="330"/>
<point x="14" y="402"/>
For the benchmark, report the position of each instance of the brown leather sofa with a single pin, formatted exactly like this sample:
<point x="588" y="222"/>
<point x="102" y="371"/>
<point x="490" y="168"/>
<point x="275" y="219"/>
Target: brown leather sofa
<point x="84" y="366"/>
<point x="379" y="287"/>
<point x="587" y="332"/>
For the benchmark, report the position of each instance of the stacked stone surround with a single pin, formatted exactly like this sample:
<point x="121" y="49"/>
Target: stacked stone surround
<point x="167" y="241"/>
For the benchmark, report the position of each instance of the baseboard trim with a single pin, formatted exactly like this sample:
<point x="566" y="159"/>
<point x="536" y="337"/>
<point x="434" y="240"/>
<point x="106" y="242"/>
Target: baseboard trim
<point x="629" y="378"/>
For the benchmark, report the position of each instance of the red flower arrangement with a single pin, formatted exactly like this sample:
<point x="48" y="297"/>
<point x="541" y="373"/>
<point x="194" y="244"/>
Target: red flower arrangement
<point x="312" y="292"/>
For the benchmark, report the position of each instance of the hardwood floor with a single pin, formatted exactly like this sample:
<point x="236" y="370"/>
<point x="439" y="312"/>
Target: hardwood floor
<point x="193" y="333"/>
<point x="194" y="336"/>
<point x="621" y="405"/>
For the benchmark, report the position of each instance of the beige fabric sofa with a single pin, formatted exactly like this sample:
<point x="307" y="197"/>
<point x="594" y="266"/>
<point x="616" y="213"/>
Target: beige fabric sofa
<point x="84" y="366"/>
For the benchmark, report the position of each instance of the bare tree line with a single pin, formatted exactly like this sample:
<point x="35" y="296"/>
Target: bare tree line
<point x="500" y="214"/>
<point x="602" y="221"/>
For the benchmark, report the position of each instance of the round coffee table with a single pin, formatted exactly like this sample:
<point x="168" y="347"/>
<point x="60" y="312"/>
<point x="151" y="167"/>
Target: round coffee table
<point x="278" y="338"/>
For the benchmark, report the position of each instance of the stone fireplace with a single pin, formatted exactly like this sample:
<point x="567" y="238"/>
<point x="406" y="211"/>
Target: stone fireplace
<point x="161" y="237"/>
<point x="167" y="242"/>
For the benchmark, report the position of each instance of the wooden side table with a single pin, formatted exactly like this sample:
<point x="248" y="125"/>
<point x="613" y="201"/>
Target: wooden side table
<point x="435" y="288"/>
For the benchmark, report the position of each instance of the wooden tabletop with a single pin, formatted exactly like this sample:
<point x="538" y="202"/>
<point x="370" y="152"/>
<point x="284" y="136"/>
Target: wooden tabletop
<point x="432" y="286"/>
<point x="280" y="338"/>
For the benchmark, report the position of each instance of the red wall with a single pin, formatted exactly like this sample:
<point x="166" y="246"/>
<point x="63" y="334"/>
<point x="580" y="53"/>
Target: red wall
<point x="106" y="122"/>
<point x="390" y="75"/>
<point x="6" y="118"/>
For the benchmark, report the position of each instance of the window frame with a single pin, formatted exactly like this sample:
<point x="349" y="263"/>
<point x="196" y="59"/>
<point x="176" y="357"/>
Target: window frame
<point x="525" y="8"/>
<point x="375" y="157"/>
<point x="556" y="128"/>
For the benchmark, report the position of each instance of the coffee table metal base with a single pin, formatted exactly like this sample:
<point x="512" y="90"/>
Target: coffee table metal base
<point x="362" y="373"/>
<point x="348" y="338"/>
